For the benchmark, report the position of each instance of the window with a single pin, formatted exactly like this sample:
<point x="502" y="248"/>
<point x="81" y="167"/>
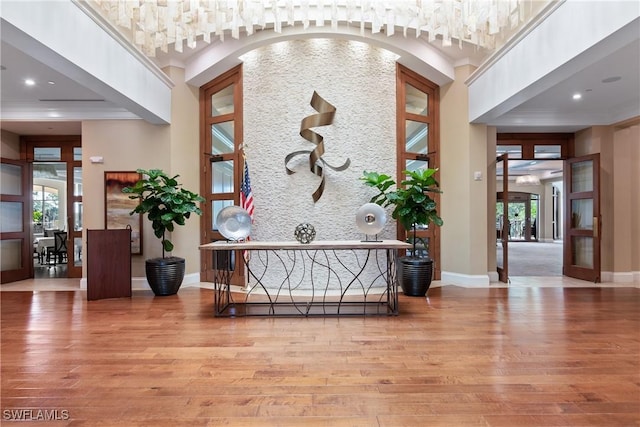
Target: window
<point x="535" y="146"/>
<point x="221" y="119"/>
<point x="417" y="144"/>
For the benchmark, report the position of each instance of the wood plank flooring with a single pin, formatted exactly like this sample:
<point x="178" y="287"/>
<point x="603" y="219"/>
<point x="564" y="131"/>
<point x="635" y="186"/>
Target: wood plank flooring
<point x="461" y="357"/>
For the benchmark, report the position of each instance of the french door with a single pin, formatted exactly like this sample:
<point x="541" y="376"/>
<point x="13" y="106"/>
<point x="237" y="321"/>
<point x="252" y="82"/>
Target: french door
<point x="16" y="245"/>
<point x="582" y="218"/>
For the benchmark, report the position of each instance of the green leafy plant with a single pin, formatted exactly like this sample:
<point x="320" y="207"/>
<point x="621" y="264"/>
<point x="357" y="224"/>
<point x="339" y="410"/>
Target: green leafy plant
<point x="412" y="202"/>
<point x="164" y="201"/>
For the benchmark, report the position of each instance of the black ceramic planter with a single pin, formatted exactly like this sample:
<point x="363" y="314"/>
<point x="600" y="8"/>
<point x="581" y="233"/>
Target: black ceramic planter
<point x="415" y="275"/>
<point x="165" y="275"/>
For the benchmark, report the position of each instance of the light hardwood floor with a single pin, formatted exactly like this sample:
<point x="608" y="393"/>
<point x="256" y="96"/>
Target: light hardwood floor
<point x="526" y="355"/>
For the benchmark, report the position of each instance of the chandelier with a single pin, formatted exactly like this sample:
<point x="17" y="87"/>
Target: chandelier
<point x="158" y="24"/>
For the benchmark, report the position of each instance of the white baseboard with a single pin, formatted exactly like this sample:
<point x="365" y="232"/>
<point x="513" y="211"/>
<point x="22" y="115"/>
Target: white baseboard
<point x="190" y="280"/>
<point x="493" y="276"/>
<point x="620" y="277"/>
<point x="466" y="280"/>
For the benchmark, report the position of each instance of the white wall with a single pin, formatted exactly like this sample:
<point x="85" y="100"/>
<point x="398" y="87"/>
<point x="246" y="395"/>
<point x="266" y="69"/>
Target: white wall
<point x="279" y="80"/>
<point x="278" y="83"/>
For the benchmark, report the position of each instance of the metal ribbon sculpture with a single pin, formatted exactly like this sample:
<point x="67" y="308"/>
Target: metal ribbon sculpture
<point x="325" y="115"/>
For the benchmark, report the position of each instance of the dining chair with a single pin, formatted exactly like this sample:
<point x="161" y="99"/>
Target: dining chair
<point x="59" y="252"/>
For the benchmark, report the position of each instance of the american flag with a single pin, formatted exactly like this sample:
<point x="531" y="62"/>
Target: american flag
<point x="246" y="195"/>
<point x="246" y="201"/>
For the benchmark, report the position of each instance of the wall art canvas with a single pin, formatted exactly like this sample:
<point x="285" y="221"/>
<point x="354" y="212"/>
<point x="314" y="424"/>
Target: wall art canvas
<point x="118" y="205"/>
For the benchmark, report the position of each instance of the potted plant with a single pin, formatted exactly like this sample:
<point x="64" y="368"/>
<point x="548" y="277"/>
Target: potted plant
<point x="413" y="206"/>
<point x="166" y="203"/>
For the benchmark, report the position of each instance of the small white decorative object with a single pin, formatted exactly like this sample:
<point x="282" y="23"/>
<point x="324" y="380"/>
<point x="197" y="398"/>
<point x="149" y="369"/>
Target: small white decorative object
<point x="305" y="233"/>
<point x="371" y="218"/>
<point x="234" y="223"/>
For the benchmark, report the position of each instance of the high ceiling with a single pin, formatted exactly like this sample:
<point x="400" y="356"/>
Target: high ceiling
<point x="610" y="90"/>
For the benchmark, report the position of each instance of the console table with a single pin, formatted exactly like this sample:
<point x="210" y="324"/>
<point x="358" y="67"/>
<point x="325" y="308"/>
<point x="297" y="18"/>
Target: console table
<point x="321" y="278"/>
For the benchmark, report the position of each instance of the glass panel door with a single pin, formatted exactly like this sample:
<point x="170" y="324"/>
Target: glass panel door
<point x="582" y="218"/>
<point x="16" y="247"/>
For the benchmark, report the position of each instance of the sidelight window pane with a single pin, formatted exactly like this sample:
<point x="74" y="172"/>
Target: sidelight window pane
<point x="417" y="137"/>
<point x="222" y="138"/>
<point x="77" y="251"/>
<point x="77" y="216"/>
<point x="222" y="102"/>
<point x="222" y="177"/>
<point x="77" y="182"/>
<point x="217" y="206"/>
<point x="417" y="102"/>
<point x="414" y="165"/>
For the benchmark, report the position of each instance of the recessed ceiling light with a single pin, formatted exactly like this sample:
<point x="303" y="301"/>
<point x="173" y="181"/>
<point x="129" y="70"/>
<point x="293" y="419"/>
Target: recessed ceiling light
<point x="611" y="79"/>
<point x="29" y="82"/>
<point x="577" y="96"/>
<point x="51" y="82"/>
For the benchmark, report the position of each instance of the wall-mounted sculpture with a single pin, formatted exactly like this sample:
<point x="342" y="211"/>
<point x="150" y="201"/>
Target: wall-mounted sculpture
<point x="325" y="115"/>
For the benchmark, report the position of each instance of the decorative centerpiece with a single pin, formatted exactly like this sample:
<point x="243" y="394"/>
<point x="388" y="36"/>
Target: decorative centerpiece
<point x="370" y="219"/>
<point x="305" y="233"/>
<point x="234" y="223"/>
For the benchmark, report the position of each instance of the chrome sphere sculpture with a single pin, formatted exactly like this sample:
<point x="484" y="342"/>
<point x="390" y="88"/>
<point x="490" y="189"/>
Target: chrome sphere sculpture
<point x="305" y="233"/>
<point x="234" y="223"/>
<point x="371" y="218"/>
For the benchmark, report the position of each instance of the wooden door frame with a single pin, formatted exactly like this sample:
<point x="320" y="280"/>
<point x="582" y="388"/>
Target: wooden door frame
<point x="432" y="157"/>
<point x="503" y="273"/>
<point x="207" y="261"/>
<point x="67" y="143"/>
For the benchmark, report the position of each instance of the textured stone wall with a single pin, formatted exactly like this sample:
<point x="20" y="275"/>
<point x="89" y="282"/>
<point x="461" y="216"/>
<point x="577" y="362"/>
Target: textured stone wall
<point x="278" y="82"/>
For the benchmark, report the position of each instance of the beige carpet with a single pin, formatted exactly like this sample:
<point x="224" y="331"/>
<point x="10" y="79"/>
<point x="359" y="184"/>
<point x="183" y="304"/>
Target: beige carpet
<point x="535" y="259"/>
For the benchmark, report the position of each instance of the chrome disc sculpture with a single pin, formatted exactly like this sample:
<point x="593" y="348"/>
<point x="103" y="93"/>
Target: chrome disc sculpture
<point x="234" y="223"/>
<point x="370" y="219"/>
